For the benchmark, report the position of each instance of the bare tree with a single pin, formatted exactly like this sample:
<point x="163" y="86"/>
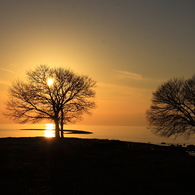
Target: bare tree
<point x="55" y="94"/>
<point x="173" y="108"/>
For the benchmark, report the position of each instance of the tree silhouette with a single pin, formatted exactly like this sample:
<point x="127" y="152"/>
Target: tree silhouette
<point x="173" y="108"/>
<point x="55" y="94"/>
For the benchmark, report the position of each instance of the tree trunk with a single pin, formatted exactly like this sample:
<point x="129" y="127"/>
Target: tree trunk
<point x="62" y="125"/>
<point x="62" y="129"/>
<point x="57" y="129"/>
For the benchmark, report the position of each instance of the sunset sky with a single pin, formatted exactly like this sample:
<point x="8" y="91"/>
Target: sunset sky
<point x="128" y="46"/>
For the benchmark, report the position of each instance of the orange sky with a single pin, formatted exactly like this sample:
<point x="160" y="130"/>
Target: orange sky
<point x="128" y="47"/>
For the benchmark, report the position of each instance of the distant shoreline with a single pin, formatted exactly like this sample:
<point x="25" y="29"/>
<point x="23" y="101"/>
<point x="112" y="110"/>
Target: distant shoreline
<point x="70" y="131"/>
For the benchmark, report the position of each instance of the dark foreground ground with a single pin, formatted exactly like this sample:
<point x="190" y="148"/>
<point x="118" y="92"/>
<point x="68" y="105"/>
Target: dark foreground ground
<point x="90" y="166"/>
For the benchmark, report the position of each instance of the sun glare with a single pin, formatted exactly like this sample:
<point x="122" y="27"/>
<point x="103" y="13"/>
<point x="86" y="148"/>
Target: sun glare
<point x="50" y="81"/>
<point x="49" y="126"/>
<point x="49" y="132"/>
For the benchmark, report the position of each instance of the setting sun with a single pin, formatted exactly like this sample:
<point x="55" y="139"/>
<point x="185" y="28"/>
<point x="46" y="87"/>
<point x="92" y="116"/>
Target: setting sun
<point x="50" y="81"/>
<point x="49" y="132"/>
<point x="49" y="126"/>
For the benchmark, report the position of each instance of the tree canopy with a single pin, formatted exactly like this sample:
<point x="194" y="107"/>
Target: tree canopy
<point x="55" y="94"/>
<point x="172" y="111"/>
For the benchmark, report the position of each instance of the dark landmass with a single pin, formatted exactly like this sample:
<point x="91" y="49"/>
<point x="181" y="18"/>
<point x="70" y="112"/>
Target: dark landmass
<point x="70" y="131"/>
<point x="77" y="132"/>
<point x="37" y="129"/>
<point x="93" y="167"/>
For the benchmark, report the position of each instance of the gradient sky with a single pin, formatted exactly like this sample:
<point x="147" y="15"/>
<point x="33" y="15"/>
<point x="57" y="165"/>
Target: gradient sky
<point x="128" y="46"/>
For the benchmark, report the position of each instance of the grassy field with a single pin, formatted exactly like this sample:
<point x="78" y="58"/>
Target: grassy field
<point x="92" y="166"/>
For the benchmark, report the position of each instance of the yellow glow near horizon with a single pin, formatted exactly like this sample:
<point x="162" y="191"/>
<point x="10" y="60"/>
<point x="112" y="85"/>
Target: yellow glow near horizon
<point x="49" y="132"/>
<point x="49" y="126"/>
<point x="50" y="81"/>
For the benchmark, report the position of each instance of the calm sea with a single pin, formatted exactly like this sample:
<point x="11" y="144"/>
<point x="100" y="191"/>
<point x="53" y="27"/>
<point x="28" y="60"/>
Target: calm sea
<point x="124" y="133"/>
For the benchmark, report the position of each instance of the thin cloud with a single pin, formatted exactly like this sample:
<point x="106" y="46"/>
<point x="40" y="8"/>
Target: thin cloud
<point x="8" y="71"/>
<point x="4" y="82"/>
<point x="127" y="74"/>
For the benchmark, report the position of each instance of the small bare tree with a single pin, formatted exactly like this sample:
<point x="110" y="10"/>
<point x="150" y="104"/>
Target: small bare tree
<point x="173" y="108"/>
<point x="55" y="94"/>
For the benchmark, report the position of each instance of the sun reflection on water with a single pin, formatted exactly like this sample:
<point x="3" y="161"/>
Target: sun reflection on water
<point x="49" y="132"/>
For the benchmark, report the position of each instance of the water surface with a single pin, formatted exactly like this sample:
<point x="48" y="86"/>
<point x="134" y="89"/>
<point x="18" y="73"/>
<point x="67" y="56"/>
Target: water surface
<point x="124" y="133"/>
